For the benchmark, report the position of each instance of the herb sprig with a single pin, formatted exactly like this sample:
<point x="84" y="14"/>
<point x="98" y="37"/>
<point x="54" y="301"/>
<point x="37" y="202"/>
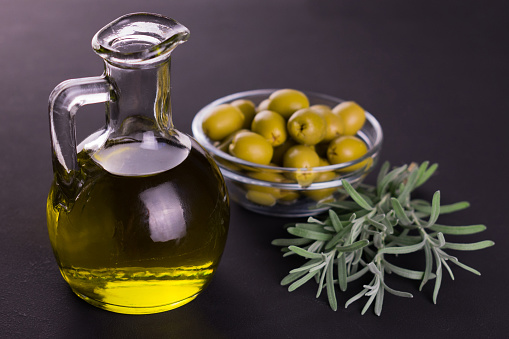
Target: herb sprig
<point x="361" y="236"/>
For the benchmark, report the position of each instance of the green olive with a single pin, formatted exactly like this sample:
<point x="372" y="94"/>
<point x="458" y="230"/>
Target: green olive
<point x="323" y="162"/>
<point x="261" y="198"/>
<point x="307" y="127"/>
<point x="279" y="151"/>
<point x="347" y="148"/>
<point x="321" y="108"/>
<point x="301" y="156"/>
<point x="333" y="123"/>
<point x="325" y="176"/>
<point x="270" y="193"/>
<point x="225" y="143"/>
<point x="265" y="195"/>
<point x="352" y="115"/>
<point x="271" y="126"/>
<point x="221" y="121"/>
<point x="266" y="176"/>
<point x="264" y="105"/>
<point x="287" y="101"/>
<point x="304" y="158"/>
<point x="288" y="196"/>
<point x="324" y="193"/>
<point x="247" y="107"/>
<point x="251" y="147"/>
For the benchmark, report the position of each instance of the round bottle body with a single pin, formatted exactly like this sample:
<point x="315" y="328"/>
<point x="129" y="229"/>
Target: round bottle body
<point x="140" y="243"/>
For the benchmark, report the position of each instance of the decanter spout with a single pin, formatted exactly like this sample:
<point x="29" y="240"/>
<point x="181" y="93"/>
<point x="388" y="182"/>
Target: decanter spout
<point x="139" y="40"/>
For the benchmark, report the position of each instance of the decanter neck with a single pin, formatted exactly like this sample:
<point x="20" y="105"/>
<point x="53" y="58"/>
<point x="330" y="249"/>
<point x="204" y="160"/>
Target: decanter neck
<point x="142" y="98"/>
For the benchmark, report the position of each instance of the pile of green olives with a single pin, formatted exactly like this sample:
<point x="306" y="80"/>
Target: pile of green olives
<point x="284" y="130"/>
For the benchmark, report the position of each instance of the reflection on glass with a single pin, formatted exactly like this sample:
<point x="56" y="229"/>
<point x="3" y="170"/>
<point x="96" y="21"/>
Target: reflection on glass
<point x="165" y="213"/>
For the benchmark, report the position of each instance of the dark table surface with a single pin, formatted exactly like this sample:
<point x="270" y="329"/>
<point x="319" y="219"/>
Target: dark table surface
<point x="435" y="74"/>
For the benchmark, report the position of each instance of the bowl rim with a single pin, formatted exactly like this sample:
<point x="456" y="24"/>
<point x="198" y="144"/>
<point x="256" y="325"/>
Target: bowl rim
<point x="373" y="147"/>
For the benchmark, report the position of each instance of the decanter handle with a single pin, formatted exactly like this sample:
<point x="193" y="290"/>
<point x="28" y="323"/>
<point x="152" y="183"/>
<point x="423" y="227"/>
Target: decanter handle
<point x="64" y="102"/>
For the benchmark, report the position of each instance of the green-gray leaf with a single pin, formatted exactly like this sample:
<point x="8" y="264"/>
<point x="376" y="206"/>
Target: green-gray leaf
<point x="469" y="247"/>
<point x="300" y="232"/>
<point x="459" y="230"/>
<point x="357" y="274"/>
<point x="421" y="171"/>
<point x="303" y="253"/>
<point x="302" y="281"/>
<point x="342" y="274"/>
<point x="370" y="301"/>
<point x="292" y="277"/>
<point x="352" y="247"/>
<point x="355" y="196"/>
<point x="312" y="227"/>
<point x="465" y="267"/>
<point x="383" y="172"/>
<point x="427" y="174"/>
<point x="396" y="292"/>
<point x="444" y="263"/>
<point x="400" y="212"/>
<point x="380" y="226"/>
<point x="388" y="225"/>
<point x="307" y="267"/>
<point x="441" y="239"/>
<point x="379" y="300"/>
<point x="429" y="264"/>
<point x="322" y="277"/>
<point x="336" y="223"/>
<point x="289" y="242"/>
<point x="384" y="183"/>
<point x="356" y="297"/>
<point x="438" y="273"/>
<point x="444" y="209"/>
<point x="402" y="249"/>
<point x="409" y="186"/>
<point x="405" y="272"/>
<point x="435" y="209"/>
<point x="338" y="237"/>
<point x="331" y="294"/>
<point x="344" y="205"/>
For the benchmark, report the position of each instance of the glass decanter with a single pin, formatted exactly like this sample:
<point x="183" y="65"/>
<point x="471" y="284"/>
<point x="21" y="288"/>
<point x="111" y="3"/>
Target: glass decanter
<point x="138" y="212"/>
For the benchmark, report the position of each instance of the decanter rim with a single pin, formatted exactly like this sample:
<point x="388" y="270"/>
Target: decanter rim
<point x="138" y="40"/>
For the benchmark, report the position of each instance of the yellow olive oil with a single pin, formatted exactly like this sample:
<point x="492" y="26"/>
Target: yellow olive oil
<point x="147" y="234"/>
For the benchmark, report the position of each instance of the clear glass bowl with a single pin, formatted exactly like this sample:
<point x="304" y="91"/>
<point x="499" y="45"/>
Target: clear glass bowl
<point x="287" y="198"/>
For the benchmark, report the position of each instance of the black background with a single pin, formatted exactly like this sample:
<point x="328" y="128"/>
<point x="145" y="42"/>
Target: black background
<point x="435" y="74"/>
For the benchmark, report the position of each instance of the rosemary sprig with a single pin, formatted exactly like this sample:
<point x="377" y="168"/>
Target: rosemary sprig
<point x="359" y="237"/>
